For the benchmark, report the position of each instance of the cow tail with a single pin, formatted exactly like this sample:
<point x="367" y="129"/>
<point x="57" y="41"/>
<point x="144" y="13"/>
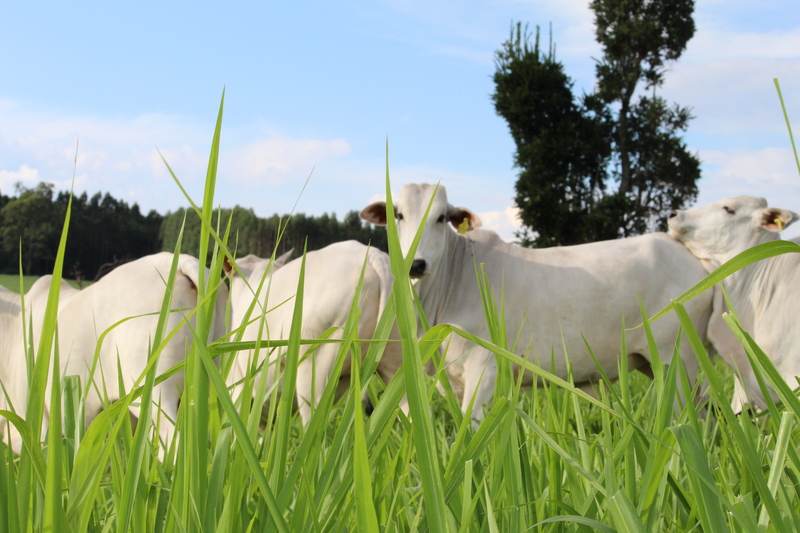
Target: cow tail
<point x="189" y="267"/>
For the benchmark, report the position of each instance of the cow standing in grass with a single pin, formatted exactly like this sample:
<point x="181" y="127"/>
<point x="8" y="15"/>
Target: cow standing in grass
<point x="331" y="277"/>
<point x="553" y="297"/>
<point x="135" y="289"/>
<point x="762" y="294"/>
<point x="14" y="344"/>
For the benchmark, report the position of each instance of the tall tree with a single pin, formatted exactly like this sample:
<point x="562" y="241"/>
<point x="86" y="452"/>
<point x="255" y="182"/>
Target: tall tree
<point x="656" y="172"/>
<point x="29" y="220"/>
<point x="603" y="165"/>
<point x="563" y="145"/>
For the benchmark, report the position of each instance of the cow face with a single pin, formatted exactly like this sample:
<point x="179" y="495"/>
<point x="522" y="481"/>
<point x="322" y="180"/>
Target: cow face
<point x="409" y="210"/>
<point x="725" y="228"/>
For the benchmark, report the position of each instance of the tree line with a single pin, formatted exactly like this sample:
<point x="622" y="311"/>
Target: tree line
<point x="105" y="232"/>
<point x="250" y="234"/>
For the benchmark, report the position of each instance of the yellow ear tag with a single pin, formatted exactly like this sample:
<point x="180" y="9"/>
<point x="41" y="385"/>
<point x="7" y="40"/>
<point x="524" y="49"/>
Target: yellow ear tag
<point x="464" y="226"/>
<point x="779" y="223"/>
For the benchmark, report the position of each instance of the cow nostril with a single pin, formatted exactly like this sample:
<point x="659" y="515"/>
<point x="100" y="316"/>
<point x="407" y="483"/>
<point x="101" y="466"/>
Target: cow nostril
<point x="672" y="214"/>
<point x="417" y="267"/>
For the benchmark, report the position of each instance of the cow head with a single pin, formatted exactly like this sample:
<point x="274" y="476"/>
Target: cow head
<point x="409" y="210"/>
<point x="719" y="231"/>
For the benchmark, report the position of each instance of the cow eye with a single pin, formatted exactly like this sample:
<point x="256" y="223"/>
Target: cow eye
<point x="398" y="216"/>
<point x="440" y="219"/>
<point x="729" y="210"/>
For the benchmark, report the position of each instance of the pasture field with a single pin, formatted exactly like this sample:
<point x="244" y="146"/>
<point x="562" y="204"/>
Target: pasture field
<point x="11" y="282"/>
<point x="545" y="460"/>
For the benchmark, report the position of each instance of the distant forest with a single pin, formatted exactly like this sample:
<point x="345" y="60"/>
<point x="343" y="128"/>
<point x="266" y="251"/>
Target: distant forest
<point x="105" y="232"/>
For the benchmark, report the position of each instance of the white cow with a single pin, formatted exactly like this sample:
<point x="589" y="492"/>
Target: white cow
<point x="133" y="289"/>
<point x="550" y="294"/>
<point x="331" y="278"/>
<point x="13" y="371"/>
<point x="762" y="293"/>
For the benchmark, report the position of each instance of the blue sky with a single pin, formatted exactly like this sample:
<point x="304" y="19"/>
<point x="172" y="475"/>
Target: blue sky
<point x="321" y="85"/>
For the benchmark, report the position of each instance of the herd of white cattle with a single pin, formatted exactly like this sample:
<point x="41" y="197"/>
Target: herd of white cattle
<point x="557" y="300"/>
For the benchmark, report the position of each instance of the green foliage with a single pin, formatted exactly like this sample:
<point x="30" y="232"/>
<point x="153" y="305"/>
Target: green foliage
<point x="29" y="222"/>
<point x="106" y="232"/>
<point x="254" y="235"/>
<point x="603" y="165"/>
<point x="562" y="145"/>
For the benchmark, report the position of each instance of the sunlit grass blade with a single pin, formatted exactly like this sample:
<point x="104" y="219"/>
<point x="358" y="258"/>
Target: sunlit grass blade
<point x="708" y="499"/>
<point x="744" y="440"/>
<point x="624" y="514"/>
<point x="365" y="511"/>
<point x="36" y="397"/>
<point x="788" y="124"/>
<point x="778" y="461"/>
<point x="53" y="510"/>
<point x="419" y="410"/>
<point x="137" y="454"/>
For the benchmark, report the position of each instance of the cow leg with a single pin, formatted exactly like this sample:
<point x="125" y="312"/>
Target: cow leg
<point x="480" y="373"/>
<point x="314" y="378"/>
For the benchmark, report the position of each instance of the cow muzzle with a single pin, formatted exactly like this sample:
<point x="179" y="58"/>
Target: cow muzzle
<point x="418" y="267"/>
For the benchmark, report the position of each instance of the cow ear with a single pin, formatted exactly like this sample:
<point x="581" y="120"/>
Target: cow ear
<point x="245" y="264"/>
<point x="375" y="213"/>
<point x="227" y="267"/>
<point x="775" y="219"/>
<point x="282" y="259"/>
<point x="463" y="219"/>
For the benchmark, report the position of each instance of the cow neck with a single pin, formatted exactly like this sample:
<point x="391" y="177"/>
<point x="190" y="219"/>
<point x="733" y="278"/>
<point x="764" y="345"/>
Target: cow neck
<point x="439" y="288"/>
<point x="751" y="288"/>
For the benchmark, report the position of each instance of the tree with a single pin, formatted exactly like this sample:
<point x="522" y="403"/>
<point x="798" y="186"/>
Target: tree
<point x="250" y="234"/>
<point x="562" y="144"/>
<point x="105" y="231"/>
<point x="655" y="170"/>
<point x="604" y="165"/>
<point x="29" y="221"/>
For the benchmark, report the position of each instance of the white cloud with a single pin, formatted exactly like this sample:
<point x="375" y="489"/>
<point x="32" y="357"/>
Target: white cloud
<point x="188" y="163"/>
<point x="505" y="223"/>
<point x="276" y="160"/>
<point x="124" y="156"/>
<point x="735" y="96"/>
<point x="26" y="175"/>
<point x="712" y="43"/>
<point x="770" y="172"/>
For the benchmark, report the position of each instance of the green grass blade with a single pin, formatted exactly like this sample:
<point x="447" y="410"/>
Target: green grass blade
<point x="136" y="456"/>
<point x="709" y="508"/>
<point x="414" y="375"/>
<point x="624" y="514"/>
<point x="53" y="511"/>
<point x="365" y="510"/>
<point x="745" y="441"/>
<point x="788" y="124"/>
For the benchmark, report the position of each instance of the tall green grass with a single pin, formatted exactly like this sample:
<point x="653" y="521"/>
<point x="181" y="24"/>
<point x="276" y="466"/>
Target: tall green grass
<point x="541" y="460"/>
